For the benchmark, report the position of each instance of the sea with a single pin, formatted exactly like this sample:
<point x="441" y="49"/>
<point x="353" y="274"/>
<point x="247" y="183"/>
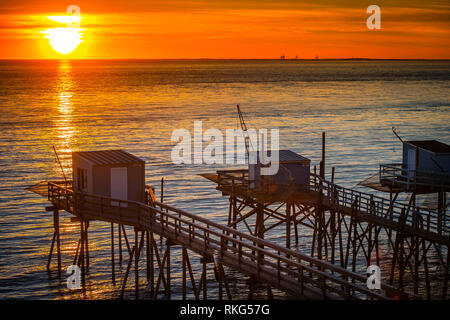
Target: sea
<point x="136" y="105"/>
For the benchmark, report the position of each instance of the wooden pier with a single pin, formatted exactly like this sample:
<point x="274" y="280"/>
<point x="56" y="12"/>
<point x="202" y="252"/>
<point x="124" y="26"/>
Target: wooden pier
<point x="301" y="276"/>
<point x="348" y="226"/>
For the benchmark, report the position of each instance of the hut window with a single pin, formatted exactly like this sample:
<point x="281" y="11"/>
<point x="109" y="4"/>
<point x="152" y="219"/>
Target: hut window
<point x="82" y="179"/>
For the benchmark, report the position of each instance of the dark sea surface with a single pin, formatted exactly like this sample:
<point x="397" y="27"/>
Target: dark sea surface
<point x="136" y="105"/>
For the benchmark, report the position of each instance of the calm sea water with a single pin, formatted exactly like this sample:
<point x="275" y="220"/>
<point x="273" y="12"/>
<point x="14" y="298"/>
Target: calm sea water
<point x="135" y="105"/>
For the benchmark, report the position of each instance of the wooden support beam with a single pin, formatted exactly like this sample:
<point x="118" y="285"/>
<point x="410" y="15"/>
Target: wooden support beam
<point x="86" y="242"/>
<point x="446" y="279"/>
<point x="126" y="240"/>
<point x="82" y="255"/>
<point x="127" y="272"/>
<point x="184" y="273"/>
<point x="168" y="271"/>
<point x="120" y="243"/>
<point x="251" y="287"/>
<point x="295" y="227"/>
<point x="191" y="274"/>
<point x="51" y="251"/>
<point x="76" y="258"/>
<point x="225" y="281"/>
<point x="135" y="253"/>
<point x="147" y="255"/>
<point x="152" y="269"/>
<point x="204" y="279"/>
<point x="288" y="225"/>
<point x="161" y="265"/>
<point x="58" y="238"/>
<point x="136" y="264"/>
<point x="112" y="255"/>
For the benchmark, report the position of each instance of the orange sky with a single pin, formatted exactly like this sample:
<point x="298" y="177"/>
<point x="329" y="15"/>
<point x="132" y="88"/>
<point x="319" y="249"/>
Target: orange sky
<point x="231" y="29"/>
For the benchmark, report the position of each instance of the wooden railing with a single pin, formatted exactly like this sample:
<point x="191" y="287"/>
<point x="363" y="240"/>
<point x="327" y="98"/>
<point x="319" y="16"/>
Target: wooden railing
<point x="416" y="218"/>
<point x="396" y="175"/>
<point x="289" y="270"/>
<point x="237" y="177"/>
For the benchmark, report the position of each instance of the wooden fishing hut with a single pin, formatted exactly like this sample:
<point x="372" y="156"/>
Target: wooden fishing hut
<point x="110" y="173"/>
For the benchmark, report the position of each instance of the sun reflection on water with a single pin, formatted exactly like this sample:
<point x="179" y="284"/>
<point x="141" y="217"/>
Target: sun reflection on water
<point x="63" y="120"/>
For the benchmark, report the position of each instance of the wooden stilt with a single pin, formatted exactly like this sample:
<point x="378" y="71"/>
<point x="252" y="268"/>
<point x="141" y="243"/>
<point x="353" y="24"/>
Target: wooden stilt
<point x="51" y="251"/>
<point x="112" y="254"/>
<point x="127" y="272"/>
<point x="234" y="218"/>
<point x="425" y="266"/>
<point x="161" y="277"/>
<point x="225" y="282"/>
<point x="288" y="225"/>
<point x="168" y="289"/>
<point x="191" y="274"/>
<point x="204" y="279"/>
<point x="333" y="232"/>
<point x="219" y="280"/>
<point x="81" y="258"/>
<point x="295" y="225"/>
<point x="415" y="241"/>
<point x="147" y="247"/>
<point x="86" y="242"/>
<point x="341" y="244"/>
<point x="446" y="279"/>
<point x="136" y="264"/>
<point x="152" y="270"/>
<point x="251" y="287"/>
<point x="75" y="259"/>
<point x="126" y="240"/>
<point x="134" y="256"/>
<point x="184" y="273"/>
<point x="58" y="238"/>
<point x="162" y="201"/>
<point x="120" y="243"/>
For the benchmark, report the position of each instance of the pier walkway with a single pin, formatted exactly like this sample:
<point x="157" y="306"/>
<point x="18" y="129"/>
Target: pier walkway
<point x="300" y="275"/>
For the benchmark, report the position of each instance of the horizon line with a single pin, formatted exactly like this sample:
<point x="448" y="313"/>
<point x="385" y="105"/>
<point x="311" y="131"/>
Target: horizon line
<point x="260" y="59"/>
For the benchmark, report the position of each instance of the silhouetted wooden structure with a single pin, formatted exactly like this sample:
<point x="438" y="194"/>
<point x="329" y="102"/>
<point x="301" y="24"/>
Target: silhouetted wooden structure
<point x="348" y="226"/>
<point x="298" y="274"/>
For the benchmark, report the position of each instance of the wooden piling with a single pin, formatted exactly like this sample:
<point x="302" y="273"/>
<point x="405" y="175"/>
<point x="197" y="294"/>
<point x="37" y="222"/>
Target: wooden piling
<point x="168" y="271"/>
<point x="112" y="255"/>
<point x="58" y="238"/>
<point x="147" y="247"/>
<point x="81" y="258"/>
<point x="288" y="225"/>
<point x="183" y="249"/>
<point x="86" y="242"/>
<point x="204" y="279"/>
<point x="120" y="243"/>
<point x="152" y="270"/>
<point x="51" y="251"/>
<point x="136" y="263"/>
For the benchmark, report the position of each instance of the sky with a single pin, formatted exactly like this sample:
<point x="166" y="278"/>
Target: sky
<point x="228" y="29"/>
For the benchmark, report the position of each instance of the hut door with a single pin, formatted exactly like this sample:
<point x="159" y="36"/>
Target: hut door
<point x="411" y="164"/>
<point x="119" y="185"/>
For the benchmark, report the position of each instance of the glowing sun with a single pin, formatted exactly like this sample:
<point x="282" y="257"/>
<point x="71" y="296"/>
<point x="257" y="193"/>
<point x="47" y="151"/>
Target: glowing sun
<point x="65" y="40"/>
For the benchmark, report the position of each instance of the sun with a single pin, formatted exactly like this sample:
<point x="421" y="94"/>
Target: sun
<point x="64" y="40"/>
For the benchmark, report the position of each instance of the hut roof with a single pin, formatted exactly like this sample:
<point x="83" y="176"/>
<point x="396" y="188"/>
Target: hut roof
<point x="288" y="156"/>
<point x="431" y="145"/>
<point x="108" y="157"/>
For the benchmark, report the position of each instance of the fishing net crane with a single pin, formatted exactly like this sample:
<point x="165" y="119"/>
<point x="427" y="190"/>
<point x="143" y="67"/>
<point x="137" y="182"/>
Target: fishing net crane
<point x="244" y="130"/>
